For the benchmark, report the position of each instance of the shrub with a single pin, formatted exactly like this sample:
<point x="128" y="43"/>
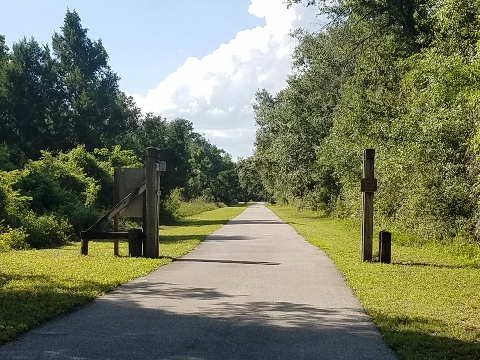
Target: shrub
<point x="79" y="216"/>
<point x="13" y="239"/>
<point x="169" y="208"/>
<point x="46" y="231"/>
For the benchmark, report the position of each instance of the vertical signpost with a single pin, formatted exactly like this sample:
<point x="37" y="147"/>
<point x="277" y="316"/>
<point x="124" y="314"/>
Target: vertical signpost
<point x="151" y="203"/>
<point x="368" y="187"/>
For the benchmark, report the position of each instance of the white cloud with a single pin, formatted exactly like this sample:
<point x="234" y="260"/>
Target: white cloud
<point x="216" y="91"/>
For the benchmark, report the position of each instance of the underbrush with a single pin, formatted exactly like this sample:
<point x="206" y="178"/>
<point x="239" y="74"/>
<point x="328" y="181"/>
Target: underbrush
<point x="197" y="206"/>
<point x="175" y="207"/>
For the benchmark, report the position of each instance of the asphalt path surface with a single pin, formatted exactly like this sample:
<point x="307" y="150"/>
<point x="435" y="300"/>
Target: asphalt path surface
<point x="254" y="289"/>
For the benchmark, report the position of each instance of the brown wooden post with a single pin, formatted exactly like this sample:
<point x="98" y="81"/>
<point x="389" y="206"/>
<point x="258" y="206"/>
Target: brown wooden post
<point x="84" y="247"/>
<point x="157" y="199"/>
<point x="385" y="247"/>
<point x="368" y="187"/>
<point x="116" y="200"/>
<point x="151" y="207"/>
<point x="135" y="242"/>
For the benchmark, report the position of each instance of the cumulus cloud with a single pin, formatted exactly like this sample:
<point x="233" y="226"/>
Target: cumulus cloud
<point x="216" y="91"/>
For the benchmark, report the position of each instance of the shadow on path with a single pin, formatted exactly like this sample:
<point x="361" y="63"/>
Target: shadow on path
<point x="243" y="262"/>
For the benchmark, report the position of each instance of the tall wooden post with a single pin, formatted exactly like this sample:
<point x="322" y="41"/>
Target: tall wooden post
<point x="116" y="200"/>
<point x="157" y="200"/>
<point x="368" y="187"/>
<point x="151" y="204"/>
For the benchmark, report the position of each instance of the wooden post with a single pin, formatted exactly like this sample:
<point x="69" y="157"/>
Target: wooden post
<point x="385" y="247"/>
<point x="84" y="247"/>
<point x="151" y="207"/>
<point x="116" y="200"/>
<point x="368" y="187"/>
<point x="157" y="203"/>
<point x="135" y="242"/>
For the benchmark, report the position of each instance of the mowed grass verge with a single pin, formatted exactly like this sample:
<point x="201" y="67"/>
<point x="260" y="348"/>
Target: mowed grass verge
<point x="426" y="303"/>
<point x="38" y="285"/>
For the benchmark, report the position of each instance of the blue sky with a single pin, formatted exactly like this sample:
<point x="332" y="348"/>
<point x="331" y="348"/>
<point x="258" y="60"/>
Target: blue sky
<point x="201" y="60"/>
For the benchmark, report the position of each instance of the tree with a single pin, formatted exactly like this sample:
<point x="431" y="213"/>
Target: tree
<point x="212" y="172"/>
<point x="94" y="111"/>
<point x="249" y="180"/>
<point x="408" y="19"/>
<point x="31" y="98"/>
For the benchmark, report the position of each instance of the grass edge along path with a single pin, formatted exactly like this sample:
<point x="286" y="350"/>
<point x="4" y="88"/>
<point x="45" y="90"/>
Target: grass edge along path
<point x="426" y="303"/>
<point x="39" y="285"/>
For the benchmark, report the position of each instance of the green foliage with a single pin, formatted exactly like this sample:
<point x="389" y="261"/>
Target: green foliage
<point x="169" y="209"/>
<point x="46" y="231"/>
<point x="61" y="100"/>
<point x="97" y="111"/>
<point x="28" y="110"/>
<point x="249" y="180"/>
<point x="13" y="239"/>
<point x="52" y="199"/>
<point x="53" y="183"/>
<point x="11" y="157"/>
<point x="64" y="126"/>
<point x="400" y="77"/>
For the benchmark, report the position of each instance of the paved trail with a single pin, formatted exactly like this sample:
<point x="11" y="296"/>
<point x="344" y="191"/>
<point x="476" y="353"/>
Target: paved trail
<point x="254" y="289"/>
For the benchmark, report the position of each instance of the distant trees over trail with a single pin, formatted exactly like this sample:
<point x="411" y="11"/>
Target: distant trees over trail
<point x="402" y="77"/>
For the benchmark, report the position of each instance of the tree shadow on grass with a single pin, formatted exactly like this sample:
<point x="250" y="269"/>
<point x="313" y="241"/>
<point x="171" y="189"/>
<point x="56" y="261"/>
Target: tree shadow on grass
<point x="41" y="298"/>
<point x="414" y="338"/>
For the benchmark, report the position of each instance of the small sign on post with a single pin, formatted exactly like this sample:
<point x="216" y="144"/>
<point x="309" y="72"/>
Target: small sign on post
<point x="368" y="188"/>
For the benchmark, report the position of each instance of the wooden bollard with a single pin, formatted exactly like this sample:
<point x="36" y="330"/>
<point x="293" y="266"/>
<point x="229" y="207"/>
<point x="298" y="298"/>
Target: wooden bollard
<point x="84" y="247"/>
<point x="135" y="242"/>
<point x="385" y="247"/>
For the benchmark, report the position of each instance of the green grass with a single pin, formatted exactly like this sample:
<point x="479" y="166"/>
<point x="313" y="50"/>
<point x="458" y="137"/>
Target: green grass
<point x="38" y="285"/>
<point x="426" y="303"/>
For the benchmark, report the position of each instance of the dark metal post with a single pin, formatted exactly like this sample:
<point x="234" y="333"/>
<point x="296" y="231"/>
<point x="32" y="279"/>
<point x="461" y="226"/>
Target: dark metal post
<point x="385" y="247"/>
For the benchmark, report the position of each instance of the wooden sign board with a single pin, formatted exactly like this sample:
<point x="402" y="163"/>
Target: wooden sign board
<point x="126" y="180"/>
<point x="369" y="185"/>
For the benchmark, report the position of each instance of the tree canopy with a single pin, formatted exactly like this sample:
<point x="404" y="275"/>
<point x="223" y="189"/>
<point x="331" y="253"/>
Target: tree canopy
<point x="400" y="77"/>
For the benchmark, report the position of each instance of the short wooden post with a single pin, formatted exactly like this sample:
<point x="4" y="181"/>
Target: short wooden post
<point x="151" y="207"/>
<point x="84" y="247"/>
<point x="135" y="242"/>
<point x="368" y="187"/>
<point x="385" y="247"/>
